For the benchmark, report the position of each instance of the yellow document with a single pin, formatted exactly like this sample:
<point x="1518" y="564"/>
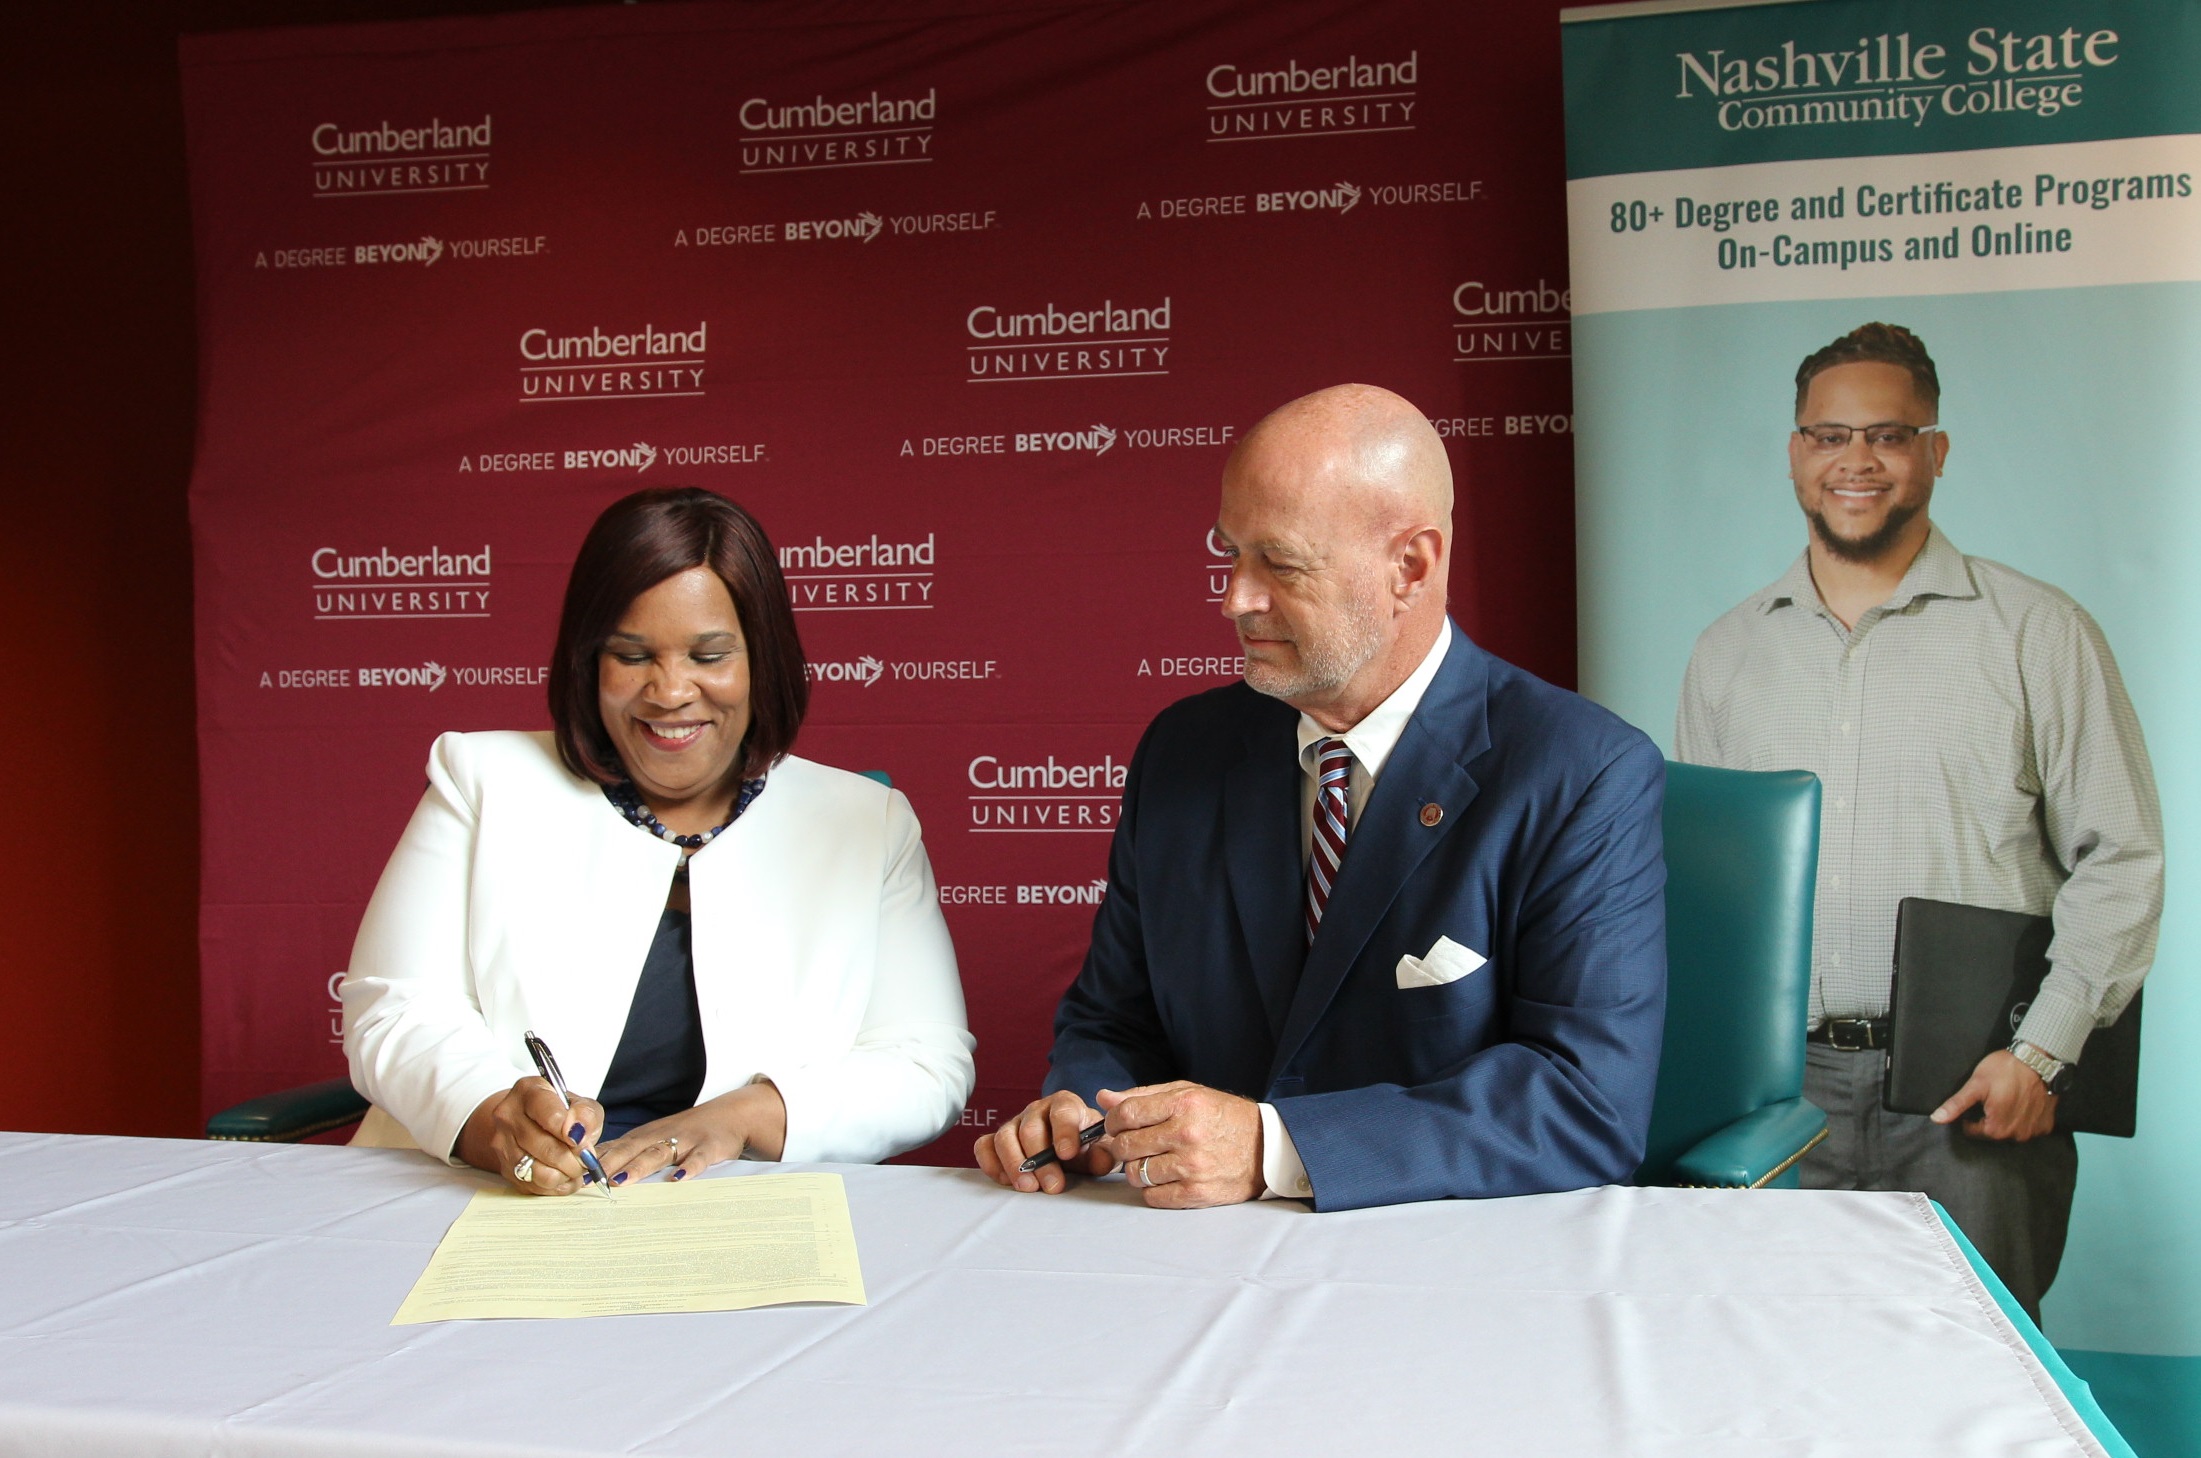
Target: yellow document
<point x="700" y="1245"/>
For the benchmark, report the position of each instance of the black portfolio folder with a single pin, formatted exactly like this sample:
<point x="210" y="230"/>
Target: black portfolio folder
<point x="1964" y="976"/>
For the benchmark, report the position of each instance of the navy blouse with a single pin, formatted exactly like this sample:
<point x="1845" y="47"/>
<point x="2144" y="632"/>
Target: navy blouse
<point x="658" y="1069"/>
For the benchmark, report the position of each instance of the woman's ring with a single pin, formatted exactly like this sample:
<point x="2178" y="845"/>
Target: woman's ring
<point x="524" y="1171"/>
<point x="672" y="1144"/>
<point x="1145" y="1178"/>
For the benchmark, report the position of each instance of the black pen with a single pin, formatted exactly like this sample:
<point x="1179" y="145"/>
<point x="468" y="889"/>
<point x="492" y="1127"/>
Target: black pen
<point x="547" y="1066"/>
<point x="1086" y="1138"/>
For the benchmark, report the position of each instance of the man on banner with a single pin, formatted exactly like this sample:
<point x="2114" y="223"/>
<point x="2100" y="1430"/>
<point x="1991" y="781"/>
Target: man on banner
<point x="1975" y="744"/>
<point x="1386" y="921"/>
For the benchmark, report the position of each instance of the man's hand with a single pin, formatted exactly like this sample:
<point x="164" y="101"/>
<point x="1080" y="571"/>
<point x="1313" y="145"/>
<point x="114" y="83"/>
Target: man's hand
<point x="1187" y="1145"/>
<point x="2014" y="1103"/>
<point x="1054" y="1120"/>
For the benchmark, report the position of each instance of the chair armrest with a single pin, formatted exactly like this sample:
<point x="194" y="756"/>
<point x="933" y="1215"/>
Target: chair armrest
<point x="1754" y="1150"/>
<point x="292" y="1115"/>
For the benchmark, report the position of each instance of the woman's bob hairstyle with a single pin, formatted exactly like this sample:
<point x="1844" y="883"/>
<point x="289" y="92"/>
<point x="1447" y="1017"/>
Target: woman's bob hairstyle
<point x="638" y="542"/>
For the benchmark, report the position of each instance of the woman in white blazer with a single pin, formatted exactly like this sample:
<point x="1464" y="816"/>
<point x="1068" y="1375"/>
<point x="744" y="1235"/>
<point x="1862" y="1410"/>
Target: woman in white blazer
<point x="731" y="949"/>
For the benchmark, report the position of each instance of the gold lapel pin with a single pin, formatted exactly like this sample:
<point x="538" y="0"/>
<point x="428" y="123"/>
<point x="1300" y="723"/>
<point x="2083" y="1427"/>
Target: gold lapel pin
<point x="1431" y="813"/>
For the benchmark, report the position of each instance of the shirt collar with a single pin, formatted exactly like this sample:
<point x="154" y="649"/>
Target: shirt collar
<point x="1373" y="738"/>
<point x="1939" y="570"/>
<point x="1795" y="586"/>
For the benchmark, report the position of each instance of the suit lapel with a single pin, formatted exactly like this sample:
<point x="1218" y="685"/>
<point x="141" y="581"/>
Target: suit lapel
<point x="574" y="946"/>
<point x="1261" y="844"/>
<point x="1450" y="727"/>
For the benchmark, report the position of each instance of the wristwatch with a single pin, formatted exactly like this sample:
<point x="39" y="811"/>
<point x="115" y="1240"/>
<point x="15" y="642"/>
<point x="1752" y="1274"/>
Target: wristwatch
<point x="2058" y="1076"/>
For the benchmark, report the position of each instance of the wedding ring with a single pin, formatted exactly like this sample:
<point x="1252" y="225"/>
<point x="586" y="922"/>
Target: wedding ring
<point x="524" y="1171"/>
<point x="1145" y="1178"/>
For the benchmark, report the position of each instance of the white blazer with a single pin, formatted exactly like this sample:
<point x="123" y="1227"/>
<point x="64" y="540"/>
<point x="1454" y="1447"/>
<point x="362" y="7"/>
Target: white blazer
<point x="520" y="898"/>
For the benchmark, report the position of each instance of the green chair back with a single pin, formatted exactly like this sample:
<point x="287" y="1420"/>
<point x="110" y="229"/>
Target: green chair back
<point x="1742" y="858"/>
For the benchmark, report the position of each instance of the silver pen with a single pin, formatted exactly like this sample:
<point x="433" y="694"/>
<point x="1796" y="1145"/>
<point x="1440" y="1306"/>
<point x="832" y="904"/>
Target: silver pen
<point x="547" y="1065"/>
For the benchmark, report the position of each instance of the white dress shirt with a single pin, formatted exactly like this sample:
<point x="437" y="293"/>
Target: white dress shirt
<point x="1371" y="741"/>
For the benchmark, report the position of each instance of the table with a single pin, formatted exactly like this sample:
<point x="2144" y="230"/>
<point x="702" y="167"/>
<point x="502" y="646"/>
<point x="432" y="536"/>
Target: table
<point x="171" y="1297"/>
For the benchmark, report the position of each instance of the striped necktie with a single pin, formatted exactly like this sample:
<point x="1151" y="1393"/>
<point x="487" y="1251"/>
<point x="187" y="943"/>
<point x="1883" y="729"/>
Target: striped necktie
<point x="1330" y="824"/>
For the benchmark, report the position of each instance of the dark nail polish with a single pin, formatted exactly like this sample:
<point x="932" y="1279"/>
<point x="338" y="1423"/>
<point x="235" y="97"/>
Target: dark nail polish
<point x="680" y="1174"/>
<point x="588" y="1179"/>
<point x="576" y="1132"/>
<point x="619" y="1178"/>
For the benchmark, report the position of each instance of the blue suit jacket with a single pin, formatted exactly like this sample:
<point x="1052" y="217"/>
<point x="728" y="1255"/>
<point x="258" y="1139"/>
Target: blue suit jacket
<point x="1532" y="1073"/>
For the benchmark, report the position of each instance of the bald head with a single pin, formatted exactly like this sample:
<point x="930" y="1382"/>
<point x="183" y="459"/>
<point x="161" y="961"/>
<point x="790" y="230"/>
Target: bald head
<point x="1360" y="447"/>
<point x="1337" y="510"/>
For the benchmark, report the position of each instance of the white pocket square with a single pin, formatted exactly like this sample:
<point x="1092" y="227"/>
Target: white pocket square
<point x="1447" y="961"/>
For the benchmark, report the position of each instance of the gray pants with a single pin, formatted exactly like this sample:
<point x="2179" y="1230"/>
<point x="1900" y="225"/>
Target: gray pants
<point x="2013" y="1201"/>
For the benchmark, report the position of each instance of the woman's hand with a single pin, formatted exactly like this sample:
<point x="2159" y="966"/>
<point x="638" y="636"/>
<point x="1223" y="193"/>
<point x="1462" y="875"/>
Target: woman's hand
<point x="529" y="1122"/>
<point x="750" y="1117"/>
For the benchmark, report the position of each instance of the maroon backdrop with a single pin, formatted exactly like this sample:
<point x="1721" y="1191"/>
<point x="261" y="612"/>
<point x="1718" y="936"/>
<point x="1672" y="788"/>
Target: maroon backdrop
<point x="967" y="307"/>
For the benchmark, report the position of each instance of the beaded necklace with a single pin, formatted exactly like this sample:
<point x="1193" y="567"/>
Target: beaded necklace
<point x="628" y="802"/>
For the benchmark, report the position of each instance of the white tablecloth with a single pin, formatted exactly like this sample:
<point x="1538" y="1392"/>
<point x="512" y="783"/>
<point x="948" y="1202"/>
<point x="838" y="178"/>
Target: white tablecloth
<point x="167" y="1297"/>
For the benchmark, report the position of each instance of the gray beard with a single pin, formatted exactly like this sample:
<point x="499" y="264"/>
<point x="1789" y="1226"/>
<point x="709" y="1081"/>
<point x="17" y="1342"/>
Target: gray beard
<point x="1321" y="671"/>
<point x="1868" y="548"/>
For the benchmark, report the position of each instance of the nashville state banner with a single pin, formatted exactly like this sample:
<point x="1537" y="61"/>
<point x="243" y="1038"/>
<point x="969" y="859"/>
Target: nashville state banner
<point x="966" y="301"/>
<point x="2020" y="184"/>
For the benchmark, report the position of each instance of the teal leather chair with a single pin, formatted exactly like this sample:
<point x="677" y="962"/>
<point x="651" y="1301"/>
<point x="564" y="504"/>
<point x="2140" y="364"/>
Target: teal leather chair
<point x="292" y="1114"/>
<point x="1742" y="858"/>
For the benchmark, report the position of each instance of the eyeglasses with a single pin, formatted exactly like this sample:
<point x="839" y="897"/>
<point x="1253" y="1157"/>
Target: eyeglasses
<point x="1886" y="438"/>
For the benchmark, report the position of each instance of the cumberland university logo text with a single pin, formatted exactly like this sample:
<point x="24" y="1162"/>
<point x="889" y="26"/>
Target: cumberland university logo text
<point x="645" y="364"/>
<point x="1044" y="797"/>
<point x="1217" y="567"/>
<point x="385" y="160"/>
<point x="1290" y="101"/>
<point x="382" y="584"/>
<point x="1493" y="324"/>
<point x="820" y="134"/>
<point x="867" y="576"/>
<point x="1897" y="79"/>
<point x="1100" y="341"/>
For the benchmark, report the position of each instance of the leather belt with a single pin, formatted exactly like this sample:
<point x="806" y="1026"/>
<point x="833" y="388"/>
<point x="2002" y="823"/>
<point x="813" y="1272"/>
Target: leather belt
<point x="1851" y="1035"/>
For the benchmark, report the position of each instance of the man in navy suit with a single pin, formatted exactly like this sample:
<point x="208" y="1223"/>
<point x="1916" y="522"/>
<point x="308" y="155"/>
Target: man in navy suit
<point x="1385" y="922"/>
